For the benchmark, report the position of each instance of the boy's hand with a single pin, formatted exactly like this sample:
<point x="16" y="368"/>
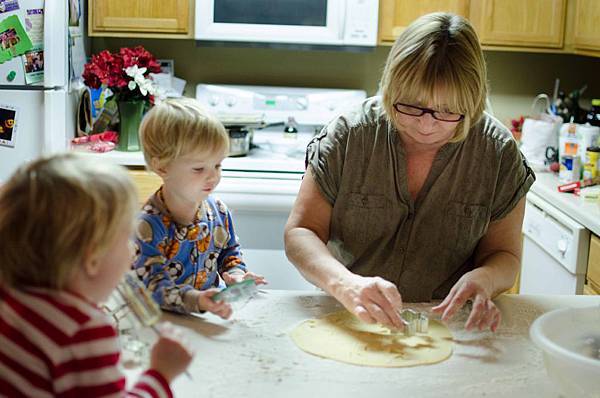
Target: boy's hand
<point x="206" y="303"/>
<point x="236" y="277"/>
<point x="171" y="354"/>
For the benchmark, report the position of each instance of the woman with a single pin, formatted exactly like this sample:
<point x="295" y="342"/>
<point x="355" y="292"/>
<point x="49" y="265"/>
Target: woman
<point x="417" y="194"/>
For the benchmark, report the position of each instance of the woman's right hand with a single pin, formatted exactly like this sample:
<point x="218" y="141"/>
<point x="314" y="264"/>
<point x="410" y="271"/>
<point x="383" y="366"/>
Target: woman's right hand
<point x="206" y="303"/>
<point x="171" y="354"/>
<point x="371" y="299"/>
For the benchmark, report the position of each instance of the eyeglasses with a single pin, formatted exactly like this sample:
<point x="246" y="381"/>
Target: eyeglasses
<point x="412" y="110"/>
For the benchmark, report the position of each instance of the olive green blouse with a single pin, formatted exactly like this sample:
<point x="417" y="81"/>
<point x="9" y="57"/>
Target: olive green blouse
<point x="376" y="229"/>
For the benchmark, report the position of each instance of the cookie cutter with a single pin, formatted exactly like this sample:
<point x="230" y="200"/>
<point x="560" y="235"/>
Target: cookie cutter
<point x="414" y="322"/>
<point x="238" y="291"/>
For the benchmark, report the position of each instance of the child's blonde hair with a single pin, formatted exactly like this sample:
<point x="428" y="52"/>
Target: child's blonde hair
<point x="177" y="127"/>
<point x="437" y="58"/>
<point x="56" y="212"/>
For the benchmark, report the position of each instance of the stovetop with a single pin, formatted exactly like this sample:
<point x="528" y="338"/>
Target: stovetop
<point x="274" y="151"/>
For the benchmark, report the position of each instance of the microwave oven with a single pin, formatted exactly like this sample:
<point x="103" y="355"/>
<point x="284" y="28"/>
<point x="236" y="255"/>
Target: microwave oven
<point x="348" y="23"/>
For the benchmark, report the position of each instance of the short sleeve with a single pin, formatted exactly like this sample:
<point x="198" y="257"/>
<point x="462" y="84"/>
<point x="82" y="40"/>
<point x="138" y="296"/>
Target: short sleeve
<point x="514" y="180"/>
<point x="325" y="157"/>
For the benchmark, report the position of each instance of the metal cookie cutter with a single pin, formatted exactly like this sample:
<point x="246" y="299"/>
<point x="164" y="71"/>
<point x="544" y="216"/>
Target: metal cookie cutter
<point x="414" y="322"/>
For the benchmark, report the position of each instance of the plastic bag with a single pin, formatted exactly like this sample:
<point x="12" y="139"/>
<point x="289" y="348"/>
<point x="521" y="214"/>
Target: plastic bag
<point x="538" y="134"/>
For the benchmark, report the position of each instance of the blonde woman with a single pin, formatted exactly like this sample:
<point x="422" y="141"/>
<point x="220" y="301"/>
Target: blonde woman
<point x="418" y="194"/>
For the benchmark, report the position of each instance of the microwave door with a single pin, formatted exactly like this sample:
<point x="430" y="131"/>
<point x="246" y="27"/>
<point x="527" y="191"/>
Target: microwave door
<point x="292" y="21"/>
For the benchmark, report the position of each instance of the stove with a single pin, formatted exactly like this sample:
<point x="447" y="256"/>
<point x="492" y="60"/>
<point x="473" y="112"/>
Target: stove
<point x="274" y="153"/>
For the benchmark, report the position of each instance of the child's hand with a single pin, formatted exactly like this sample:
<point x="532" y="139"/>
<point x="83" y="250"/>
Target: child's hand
<point x="237" y="277"/>
<point x="206" y="303"/>
<point x="171" y="354"/>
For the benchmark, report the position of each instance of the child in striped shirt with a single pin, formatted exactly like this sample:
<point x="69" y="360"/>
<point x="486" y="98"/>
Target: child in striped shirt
<point x="65" y="228"/>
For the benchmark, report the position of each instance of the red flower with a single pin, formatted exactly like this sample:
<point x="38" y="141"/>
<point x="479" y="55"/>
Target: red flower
<point x="140" y="57"/>
<point x="108" y="69"/>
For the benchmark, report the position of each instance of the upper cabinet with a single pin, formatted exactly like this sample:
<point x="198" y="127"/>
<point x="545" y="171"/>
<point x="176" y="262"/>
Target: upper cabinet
<point x="521" y="23"/>
<point x="571" y="26"/>
<point x="396" y="15"/>
<point x="586" y="25"/>
<point x="141" y="18"/>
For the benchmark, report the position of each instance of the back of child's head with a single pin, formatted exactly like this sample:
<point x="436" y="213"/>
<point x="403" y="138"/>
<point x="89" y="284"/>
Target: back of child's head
<point x="177" y="127"/>
<point x="57" y="211"/>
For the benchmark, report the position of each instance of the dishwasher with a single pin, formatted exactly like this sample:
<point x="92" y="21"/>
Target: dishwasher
<point x="555" y="250"/>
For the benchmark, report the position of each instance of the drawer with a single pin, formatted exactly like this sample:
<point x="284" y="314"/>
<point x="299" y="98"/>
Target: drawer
<point x="590" y="291"/>
<point x="593" y="270"/>
<point x="146" y="183"/>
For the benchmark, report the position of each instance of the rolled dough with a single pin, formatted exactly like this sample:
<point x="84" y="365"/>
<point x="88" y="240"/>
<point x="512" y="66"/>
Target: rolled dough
<point x="343" y="337"/>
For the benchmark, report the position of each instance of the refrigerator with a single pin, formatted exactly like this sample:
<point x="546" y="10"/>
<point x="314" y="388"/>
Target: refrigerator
<point x="41" y="59"/>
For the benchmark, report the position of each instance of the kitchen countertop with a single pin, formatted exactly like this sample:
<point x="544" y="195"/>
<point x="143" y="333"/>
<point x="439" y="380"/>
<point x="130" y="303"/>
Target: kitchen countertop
<point x="584" y="212"/>
<point x="253" y="356"/>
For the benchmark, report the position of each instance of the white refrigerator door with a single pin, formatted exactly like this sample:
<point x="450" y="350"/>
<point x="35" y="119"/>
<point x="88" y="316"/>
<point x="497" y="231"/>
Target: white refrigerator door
<point x="29" y="129"/>
<point x="43" y="125"/>
<point x="50" y="45"/>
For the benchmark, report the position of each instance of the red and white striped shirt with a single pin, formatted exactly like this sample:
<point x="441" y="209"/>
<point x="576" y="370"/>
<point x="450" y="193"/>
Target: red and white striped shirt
<point x="56" y="344"/>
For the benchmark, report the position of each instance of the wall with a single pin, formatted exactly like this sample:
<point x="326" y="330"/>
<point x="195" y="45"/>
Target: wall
<point x="515" y="78"/>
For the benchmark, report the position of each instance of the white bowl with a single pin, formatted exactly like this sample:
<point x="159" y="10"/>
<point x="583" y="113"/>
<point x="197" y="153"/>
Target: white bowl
<point x="570" y="338"/>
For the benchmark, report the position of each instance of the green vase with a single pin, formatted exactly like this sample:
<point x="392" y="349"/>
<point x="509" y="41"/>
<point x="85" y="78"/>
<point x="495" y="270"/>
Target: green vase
<point x="130" y="114"/>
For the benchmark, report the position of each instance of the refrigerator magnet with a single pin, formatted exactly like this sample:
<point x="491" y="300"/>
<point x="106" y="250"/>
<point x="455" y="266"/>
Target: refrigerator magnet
<point x="8" y="5"/>
<point x="14" y="41"/>
<point x="33" y="63"/>
<point x="34" y="25"/>
<point x="8" y="125"/>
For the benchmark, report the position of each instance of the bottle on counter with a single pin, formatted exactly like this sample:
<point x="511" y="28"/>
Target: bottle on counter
<point x="291" y="128"/>
<point x="593" y="116"/>
<point x="587" y="135"/>
<point x="592" y="158"/>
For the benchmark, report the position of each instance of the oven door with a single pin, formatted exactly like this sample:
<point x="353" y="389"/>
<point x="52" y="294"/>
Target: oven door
<point x="291" y="21"/>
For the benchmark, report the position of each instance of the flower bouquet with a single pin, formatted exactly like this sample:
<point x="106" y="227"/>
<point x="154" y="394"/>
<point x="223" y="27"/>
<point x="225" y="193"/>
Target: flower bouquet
<point x="125" y="75"/>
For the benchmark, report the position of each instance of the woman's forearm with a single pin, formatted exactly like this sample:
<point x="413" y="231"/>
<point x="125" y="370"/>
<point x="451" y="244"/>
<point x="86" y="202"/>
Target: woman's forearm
<point x="314" y="261"/>
<point x="500" y="269"/>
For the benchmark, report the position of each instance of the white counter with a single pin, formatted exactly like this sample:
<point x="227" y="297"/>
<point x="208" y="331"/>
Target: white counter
<point x="586" y="213"/>
<point x="253" y="356"/>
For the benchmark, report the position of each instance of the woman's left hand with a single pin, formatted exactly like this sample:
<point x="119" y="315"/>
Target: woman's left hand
<point x="472" y="286"/>
<point x="237" y="277"/>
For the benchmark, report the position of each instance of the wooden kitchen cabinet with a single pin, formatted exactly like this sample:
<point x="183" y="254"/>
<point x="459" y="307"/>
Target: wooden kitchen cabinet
<point x="146" y="183"/>
<point x="593" y="270"/>
<point x="396" y="15"/>
<point x="141" y="18"/>
<point x="520" y="23"/>
<point x="586" y="25"/>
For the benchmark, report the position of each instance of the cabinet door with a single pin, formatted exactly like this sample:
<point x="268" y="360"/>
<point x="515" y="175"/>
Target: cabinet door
<point x="396" y="15"/>
<point x="147" y="16"/>
<point x="525" y="23"/>
<point x="593" y="271"/>
<point x="586" y="28"/>
<point x="146" y="184"/>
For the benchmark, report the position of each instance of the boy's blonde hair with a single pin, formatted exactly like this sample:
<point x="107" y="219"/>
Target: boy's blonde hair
<point x="437" y="59"/>
<point x="177" y="127"/>
<point x="56" y="212"/>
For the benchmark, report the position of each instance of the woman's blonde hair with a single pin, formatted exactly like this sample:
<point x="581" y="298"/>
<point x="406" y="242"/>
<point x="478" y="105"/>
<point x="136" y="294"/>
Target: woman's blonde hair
<point x="438" y="60"/>
<point x="178" y="127"/>
<point x="56" y="212"/>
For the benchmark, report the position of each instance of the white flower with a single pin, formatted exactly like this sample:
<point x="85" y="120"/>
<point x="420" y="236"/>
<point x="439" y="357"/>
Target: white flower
<point x="134" y="71"/>
<point x="146" y="85"/>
